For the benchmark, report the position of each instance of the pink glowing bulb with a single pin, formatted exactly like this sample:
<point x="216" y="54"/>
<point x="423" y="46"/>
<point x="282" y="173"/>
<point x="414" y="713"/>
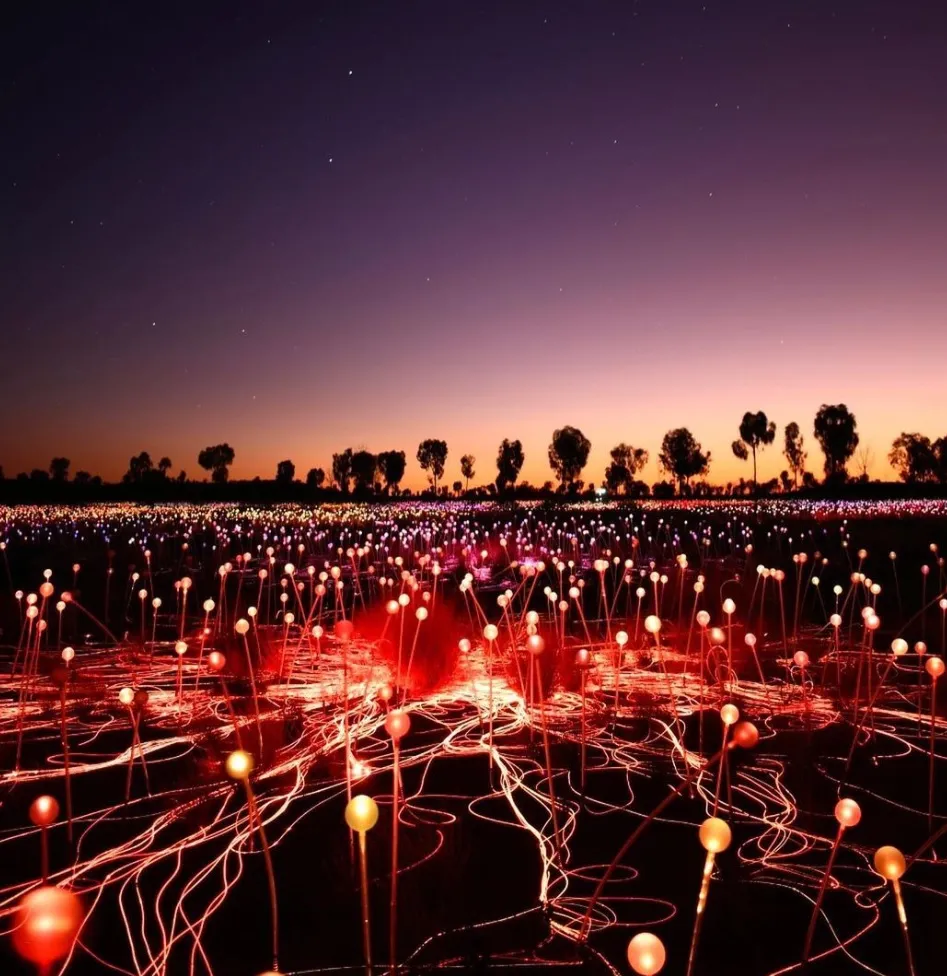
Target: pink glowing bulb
<point x="646" y="954"/>
<point x="535" y="644"/>
<point x="935" y="667"/>
<point x="397" y="724"/>
<point x="848" y="813"/>
<point x="801" y="659"/>
<point x="47" y="921"/>
<point x="730" y="714"/>
<point x="43" y="811"/>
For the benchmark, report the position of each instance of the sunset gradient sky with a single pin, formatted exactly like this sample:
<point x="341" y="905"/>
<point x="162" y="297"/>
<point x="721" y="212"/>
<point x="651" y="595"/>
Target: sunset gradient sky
<point x="298" y="233"/>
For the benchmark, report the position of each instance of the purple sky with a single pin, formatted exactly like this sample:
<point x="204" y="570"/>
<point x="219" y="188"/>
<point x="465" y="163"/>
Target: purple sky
<point x="470" y="221"/>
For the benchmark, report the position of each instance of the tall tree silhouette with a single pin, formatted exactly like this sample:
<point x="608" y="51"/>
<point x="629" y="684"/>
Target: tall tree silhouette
<point x="285" y="472"/>
<point x="342" y="470"/>
<point x="164" y="466"/>
<point x="682" y="456"/>
<point x="364" y="469"/>
<point x="756" y="432"/>
<point x="568" y="454"/>
<point x="59" y="469"/>
<point x="315" y="478"/>
<point x="509" y="463"/>
<point x="139" y="468"/>
<point x="834" y="429"/>
<point x="793" y="452"/>
<point x="392" y="465"/>
<point x="913" y="457"/>
<point x="627" y="461"/>
<point x="467" y="463"/>
<point x="432" y="455"/>
<point x="217" y="461"/>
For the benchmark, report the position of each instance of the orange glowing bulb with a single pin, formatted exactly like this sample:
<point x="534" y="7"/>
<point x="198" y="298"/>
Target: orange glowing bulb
<point x="646" y="954"/>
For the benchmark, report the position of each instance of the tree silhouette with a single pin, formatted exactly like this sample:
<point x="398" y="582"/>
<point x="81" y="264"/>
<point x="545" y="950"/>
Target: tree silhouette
<point x="285" y="472"/>
<point x="364" y="468"/>
<point x="793" y="452"/>
<point x="457" y="486"/>
<point x="315" y="478"/>
<point x="82" y="479"/>
<point x="217" y="461"/>
<point x="568" y="454"/>
<point x="834" y="429"/>
<point x="627" y="461"/>
<point x="756" y="431"/>
<point x="342" y="470"/>
<point x="139" y="468"/>
<point x="432" y="454"/>
<point x="913" y="457"/>
<point x="392" y="465"/>
<point x="509" y="463"/>
<point x="59" y="469"/>
<point x="164" y="466"/>
<point x="682" y="456"/>
<point x="467" y="463"/>
<point x="940" y="456"/>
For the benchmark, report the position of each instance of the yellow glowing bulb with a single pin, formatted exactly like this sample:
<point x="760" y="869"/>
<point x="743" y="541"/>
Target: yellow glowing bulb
<point x="239" y="764"/>
<point x="361" y="813"/>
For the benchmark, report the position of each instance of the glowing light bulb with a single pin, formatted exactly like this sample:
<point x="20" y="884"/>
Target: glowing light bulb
<point x="239" y="764"/>
<point x="646" y="954"/>
<point x="715" y="835"/>
<point x="848" y="813"/>
<point x="361" y="813"/>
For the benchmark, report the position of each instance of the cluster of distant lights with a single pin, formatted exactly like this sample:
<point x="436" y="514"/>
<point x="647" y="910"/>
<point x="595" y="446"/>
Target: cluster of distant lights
<point x="401" y="559"/>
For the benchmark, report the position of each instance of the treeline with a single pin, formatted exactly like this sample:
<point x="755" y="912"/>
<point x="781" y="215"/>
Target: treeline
<point x="919" y="462"/>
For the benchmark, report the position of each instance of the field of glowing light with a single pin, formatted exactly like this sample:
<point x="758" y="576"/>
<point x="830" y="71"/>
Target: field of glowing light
<point x="678" y="738"/>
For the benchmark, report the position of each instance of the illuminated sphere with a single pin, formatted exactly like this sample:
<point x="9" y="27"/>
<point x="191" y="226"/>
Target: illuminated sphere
<point x="289" y="618"/>
<point x="318" y="632"/>
<point x="385" y="692"/>
<point x="251" y="612"/>
<point x="943" y="604"/>
<point x="835" y="620"/>
<point x="343" y="630"/>
<point x="873" y="622"/>
<point x="714" y="835"/>
<point x="800" y="659"/>
<point x="126" y="696"/>
<point x="392" y="607"/>
<point x="889" y="862"/>
<point x="397" y="723"/>
<point x="899" y="646"/>
<point x="920" y="648"/>
<point x="404" y="599"/>
<point x="750" y="640"/>
<point x="239" y="764"/>
<point x="490" y="632"/>
<point x="216" y="661"/>
<point x="848" y="813"/>
<point x="582" y="657"/>
<point x="935" y="666"/>
<point x="779" y="575"/>
<point x="729" y="606"/>
<point x="698" y="587"/>
<point x="46" y="590"/>
<point x="208" y="606"/>
<point x="730" y="714"/>
<point x="535" y="644"/>
<point x="180" y="648"/>
<point x="421" y="612"/>
<point x="532" y="617"/>
<point x="621" y="638"/>
<point x="241" y="626"/>
<point x="574" y="592"/>
<point x="652" y="624"/>
<point x="703" y="618"/>
<point x="646" y="954"/>
<point x="47" y="921"/>
<point x="716" y="635"/>
<point x="746" y="735"/>
<point x="68" y="654"/>
<point x="361" y="813"/>
<point x="640" y="592"/>
<point x="44" y="810"/>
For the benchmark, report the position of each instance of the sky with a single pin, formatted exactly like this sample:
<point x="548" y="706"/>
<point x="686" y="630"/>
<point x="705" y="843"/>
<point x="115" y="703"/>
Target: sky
<point x="299" y="227"/>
